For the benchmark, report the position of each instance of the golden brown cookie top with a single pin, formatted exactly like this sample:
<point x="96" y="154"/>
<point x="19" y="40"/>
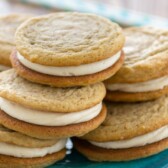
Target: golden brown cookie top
<point x="146" y="55"/>
<point x="8" y="25"/>
<point x="46" y="98"/>
<point x="66" y="39"/>
<point x="129" y="120"/>
<point x="13" y="137"/>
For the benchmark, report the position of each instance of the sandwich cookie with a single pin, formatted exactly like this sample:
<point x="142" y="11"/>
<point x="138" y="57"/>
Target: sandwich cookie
<point x="21" y="151"/>
<point x="8" y="26"/>
<point x="49" y="113"/>
<point x="68" y="49"/>
<point x="144" y="75"/>
<point x="130" y="131"/>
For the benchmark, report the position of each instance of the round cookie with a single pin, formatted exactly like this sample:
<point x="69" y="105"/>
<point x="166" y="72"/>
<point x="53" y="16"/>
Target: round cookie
<point x="47" y="113"/>
<point x="130" y="131"/>
<point x="76" y="49"/>
<point x="8" y="25"/>
<point x="15" y="150"/>
<point x="144" y="75"/>
<point x="13" y="137"/>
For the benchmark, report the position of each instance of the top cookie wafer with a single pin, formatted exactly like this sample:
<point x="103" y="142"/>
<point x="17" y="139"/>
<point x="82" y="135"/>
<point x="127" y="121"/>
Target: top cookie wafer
<point x="45" y="98"/>
<point x="68" y="39"/>
<point x="129" y="120"/>
<point x="8" y="26"/>
<point x="13" y="137"/>
<point x="146" y="55"/>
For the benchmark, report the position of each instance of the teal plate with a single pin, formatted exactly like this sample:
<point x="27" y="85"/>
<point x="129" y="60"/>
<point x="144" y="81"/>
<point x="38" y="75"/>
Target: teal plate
<point x="76" y="160"/>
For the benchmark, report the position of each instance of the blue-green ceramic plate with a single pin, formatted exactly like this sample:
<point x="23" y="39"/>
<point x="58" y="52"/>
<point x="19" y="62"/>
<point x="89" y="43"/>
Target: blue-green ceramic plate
<point x="76" y="160"/>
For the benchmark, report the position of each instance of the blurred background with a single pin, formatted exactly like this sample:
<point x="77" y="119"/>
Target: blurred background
<point x="125" y="12"/>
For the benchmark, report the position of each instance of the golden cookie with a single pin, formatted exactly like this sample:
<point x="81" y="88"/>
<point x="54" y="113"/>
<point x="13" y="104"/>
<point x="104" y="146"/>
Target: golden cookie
<point x="19" y="150"/>
<point x="68" y="49"/>
<point x="9" y="161"/>
<point x="130" y="131"/>
<point x="49" y="113"/>
<point x="13" y="137"/>
<point x="8" y="25"/>
<point x="144" y="75"/>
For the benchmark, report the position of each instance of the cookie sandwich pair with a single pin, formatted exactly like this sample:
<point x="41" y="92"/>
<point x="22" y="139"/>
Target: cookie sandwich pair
<point x="135" y="126"/>
<point x="20" y="151"/>
<point x="49" y="113"/>
<point x="66" y="55"/>
<point x="130" y="131"/>
<point x="68" y="49"/>
<point x="144" y="75"/>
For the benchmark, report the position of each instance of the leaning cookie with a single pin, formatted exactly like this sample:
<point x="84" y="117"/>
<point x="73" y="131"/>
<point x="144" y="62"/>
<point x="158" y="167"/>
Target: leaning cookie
<point x="8" y="25"/>
<point x="20" y="151"/>
<point x="144" y="75"/>
<point x="46" y="112"/>
<point x="130" y="131"/>
<point x="68" y="49"/>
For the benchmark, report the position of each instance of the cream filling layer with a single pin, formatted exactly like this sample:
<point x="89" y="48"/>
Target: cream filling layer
<point x="151" y="85"/>
<point x="3" y="67"/>
<point x="24" y="152"/>
<point x="80" y="70"/>
<point x="48" y="118"/>
<point x="142" y="140"/>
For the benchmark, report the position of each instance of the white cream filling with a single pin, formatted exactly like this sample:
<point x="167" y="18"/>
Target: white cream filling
<point x="151" y="85"/>
<point x="24" y="152"/>
<point x="3" y="67"/>
<point x="80" y="70"/>
<point x="142" y="140"/>
<point x="48" y="118"/>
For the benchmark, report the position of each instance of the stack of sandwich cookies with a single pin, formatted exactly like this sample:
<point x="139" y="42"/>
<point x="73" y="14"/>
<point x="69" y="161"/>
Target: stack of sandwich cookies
<point x="144" y="75"/>
<point x="68" y="49"/>
<point x="8" y="26"/>
<point x="49" y="113"/>
<point x="130" y="131"/>
<point x="21" y="151"/>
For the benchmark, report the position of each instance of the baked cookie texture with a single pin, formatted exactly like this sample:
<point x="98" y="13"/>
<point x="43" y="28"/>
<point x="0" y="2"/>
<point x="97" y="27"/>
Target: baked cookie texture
<point x="46" y="98"/>
<point x="68" y="39"/>
<point x="12" y="137"/>
<point x="60" y="81"/>
<point x="125" y="122"/>
<point x="52" y="132"/>
<point x="146" y="51"/>
<point x="49" y="99"/>
<point x="8" y="25"/>
<point x="8" y="161"/>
